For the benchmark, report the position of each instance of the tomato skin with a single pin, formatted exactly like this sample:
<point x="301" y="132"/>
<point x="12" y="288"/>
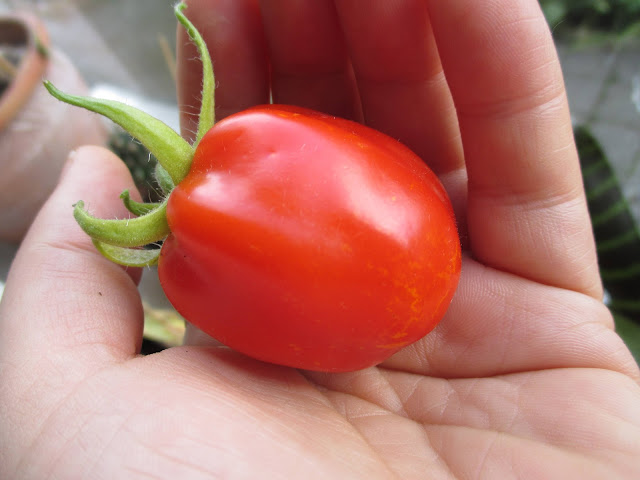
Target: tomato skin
<point x="309" y="241"/>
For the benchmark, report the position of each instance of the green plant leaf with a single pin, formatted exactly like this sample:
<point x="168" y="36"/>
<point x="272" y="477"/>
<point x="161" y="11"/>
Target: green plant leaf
<point x="614" y="227"/>
<point x="630" y="333"/>
<point x="164" y="326"/>
<point x="555" y="12"/>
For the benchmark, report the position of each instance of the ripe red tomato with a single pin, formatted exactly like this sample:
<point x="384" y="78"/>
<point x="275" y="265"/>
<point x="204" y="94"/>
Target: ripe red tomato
<point x="309" y="241"/>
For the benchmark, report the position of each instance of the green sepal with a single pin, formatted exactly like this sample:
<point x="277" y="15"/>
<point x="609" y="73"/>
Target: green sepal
<point x="207" y="117"/>
<point x="137" y="208"/>
<point x="129" y="257"/>
<point x="171" y="150"/>
<point x="164" y="180"/>
<point x="128" y="232"/>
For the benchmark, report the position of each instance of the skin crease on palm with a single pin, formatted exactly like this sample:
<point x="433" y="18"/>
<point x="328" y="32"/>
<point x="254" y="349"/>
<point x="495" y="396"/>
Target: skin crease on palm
<point x="525" y="376"/>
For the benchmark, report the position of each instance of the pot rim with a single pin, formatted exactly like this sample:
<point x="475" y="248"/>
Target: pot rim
<point x="32" y="66"/>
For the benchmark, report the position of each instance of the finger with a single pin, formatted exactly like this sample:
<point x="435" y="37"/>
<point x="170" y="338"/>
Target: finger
<point x="399" y="75"/>
<point x="233" y="32"/>
<point x="526" y="208"/>
<point x="499" y="323"/>
<point x="64" y="301"/>
<point x="309" y="62"/>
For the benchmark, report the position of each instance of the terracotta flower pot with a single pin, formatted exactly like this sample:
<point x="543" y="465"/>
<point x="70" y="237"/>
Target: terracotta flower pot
<point x="37" y="132"/>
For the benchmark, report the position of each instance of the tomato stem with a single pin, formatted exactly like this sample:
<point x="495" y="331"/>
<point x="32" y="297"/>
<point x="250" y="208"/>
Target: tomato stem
<point x="206" y="118"/>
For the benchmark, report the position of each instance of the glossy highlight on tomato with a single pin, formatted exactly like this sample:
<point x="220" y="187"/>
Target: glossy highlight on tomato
<point x="309" y="241"/>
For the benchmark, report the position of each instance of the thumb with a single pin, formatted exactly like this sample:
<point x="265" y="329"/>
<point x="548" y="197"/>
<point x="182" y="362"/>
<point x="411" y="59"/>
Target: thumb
<point x="61" y="294"/>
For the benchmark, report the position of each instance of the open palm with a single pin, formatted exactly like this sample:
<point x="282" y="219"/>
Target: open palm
<point x="524" y="378"/>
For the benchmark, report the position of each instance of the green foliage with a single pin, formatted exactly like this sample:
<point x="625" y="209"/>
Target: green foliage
<point x="597" y="14"/>
<point x="140" y="162"/>
<point x="630" y="333"/>
<point x="617" y="237"/>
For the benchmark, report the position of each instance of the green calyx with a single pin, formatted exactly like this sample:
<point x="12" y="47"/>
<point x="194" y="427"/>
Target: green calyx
<point x="122" y="240"/>
<point x="131" y="232"/>
<point x="172" y="151"/>
<point x="137" y="208"/>
<point x="206" y="118"/>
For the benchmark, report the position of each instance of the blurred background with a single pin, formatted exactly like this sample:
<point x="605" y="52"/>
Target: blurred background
<point x="124" y="50"/>
<point x="112" y="42"/>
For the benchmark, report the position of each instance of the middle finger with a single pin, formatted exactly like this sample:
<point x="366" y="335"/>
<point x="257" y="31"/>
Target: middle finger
<point x="309" y="62"/>
<point x="400" y="79"/>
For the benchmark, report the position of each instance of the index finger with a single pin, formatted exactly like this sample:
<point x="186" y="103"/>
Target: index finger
<point x="400" y="80"/>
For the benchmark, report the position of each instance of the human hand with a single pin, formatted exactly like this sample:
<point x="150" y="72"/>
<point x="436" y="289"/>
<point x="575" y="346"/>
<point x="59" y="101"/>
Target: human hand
<point x="524" y="377"/>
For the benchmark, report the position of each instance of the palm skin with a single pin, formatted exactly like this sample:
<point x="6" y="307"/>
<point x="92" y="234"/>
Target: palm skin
<point x="524" y="377"/>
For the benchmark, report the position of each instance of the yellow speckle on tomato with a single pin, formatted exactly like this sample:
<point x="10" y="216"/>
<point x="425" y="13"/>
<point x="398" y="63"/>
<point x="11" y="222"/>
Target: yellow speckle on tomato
<point x="399" y="335"/>
<point x="391" y="346"/>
